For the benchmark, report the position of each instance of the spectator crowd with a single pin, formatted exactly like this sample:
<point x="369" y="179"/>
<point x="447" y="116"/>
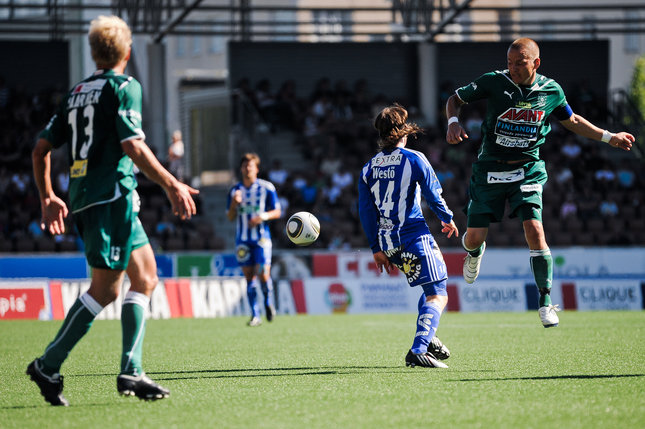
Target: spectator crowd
<point x="593" y="196"/>
<point x="22" y="116"/>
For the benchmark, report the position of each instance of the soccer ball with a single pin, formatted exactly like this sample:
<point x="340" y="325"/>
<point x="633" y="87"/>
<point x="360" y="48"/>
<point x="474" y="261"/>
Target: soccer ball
<point x="303" y="228"/>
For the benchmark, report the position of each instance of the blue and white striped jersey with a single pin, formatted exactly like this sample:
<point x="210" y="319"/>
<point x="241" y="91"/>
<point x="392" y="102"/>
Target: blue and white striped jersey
<point x="259" y="198"/>
<point x="389" y="196"/>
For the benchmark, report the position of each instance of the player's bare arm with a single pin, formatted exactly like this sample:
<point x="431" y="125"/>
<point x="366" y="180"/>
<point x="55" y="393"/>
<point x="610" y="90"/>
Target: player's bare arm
<point x="179" y="194"/>
<point x="583" y="127"/>
<point x="449" y="229"/>
<point x="235" y="201"/>
<point x="54" y="210"/>
<point x="382" y="262"/>
<point x="455" y="133"/>
<point x="268" y="215"/>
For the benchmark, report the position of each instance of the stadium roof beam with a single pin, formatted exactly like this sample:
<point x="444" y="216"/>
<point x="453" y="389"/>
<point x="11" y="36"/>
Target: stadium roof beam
<point x="159" y="37"/>
<point x="454" y="13"/>
<point x="415" y="19"/>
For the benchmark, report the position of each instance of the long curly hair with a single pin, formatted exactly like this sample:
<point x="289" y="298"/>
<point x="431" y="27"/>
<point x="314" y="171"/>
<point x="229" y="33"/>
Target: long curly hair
<point x="391" y="124"/>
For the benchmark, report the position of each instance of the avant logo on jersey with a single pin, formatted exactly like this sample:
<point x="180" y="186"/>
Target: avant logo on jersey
<point x="517" y="127"/>
<point x="410" y="266"/>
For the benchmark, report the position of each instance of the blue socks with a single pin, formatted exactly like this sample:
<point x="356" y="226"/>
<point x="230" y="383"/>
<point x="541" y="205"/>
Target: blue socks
<point x="267" y="290"/>
<point x="427" y="325"/>
<point x="252" y="294"/>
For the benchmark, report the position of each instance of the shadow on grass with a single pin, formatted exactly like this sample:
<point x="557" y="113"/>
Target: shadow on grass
<point x="554" y="377"/>
<point x="212" y="371"/>
<point x="46" y="405"/>
<point x="268" y="372"/>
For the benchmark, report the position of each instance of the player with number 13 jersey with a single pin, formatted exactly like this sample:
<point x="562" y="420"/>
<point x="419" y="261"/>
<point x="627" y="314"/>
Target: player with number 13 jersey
<point x="100" y="171"/>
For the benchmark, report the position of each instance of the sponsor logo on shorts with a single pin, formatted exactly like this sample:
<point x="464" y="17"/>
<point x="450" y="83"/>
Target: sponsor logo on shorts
<point x="411" y="266"/>
<point x="506" y="176"/>
<point x="242" y="253"/>
<point x="535" y="187"/>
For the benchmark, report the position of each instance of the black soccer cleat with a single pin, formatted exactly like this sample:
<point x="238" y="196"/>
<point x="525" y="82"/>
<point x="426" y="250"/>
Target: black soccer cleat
<point x="426" y="360"/>
<point x="50" y="387"/>
<point x="437" y="349"/>
<point x="140" y="386"/>
<point x="270" y="312"/>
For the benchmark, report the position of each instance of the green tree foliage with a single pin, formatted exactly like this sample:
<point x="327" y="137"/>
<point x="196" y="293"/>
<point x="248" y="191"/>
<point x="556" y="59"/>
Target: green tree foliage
<point x="638" y="85"/>
<point x="637" y="95"/>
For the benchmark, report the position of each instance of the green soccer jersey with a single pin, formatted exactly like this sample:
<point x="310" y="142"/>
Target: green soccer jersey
<point x="516" y="116"/>
<point x="94" y="118"/>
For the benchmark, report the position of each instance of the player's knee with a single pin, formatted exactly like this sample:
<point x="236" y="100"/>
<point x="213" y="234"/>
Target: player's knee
<point x="107" y="297"/>
<point x="147" y="283"/>
<point x="534" y="234"/>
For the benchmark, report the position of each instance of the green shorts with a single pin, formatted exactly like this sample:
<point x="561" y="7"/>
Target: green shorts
<point x="493" y="184"/>
<point x="111" y="231"/>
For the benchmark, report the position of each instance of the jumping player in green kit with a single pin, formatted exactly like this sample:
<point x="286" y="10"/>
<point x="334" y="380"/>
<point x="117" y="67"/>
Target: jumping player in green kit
<point x="508" y="167"/>
<point x="100" y="120"/>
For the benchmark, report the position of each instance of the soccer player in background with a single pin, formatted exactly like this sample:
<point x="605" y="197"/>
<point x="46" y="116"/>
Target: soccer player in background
<point x="389" y="192"/>
<point x="251" y="203"/>
<point x="100" y="120"/>
<point x="508" y="167"/>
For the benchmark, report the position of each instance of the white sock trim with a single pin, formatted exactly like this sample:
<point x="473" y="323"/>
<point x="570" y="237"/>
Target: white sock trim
<point x="463" y="244"/>
<point x="138" y="298"/>
<point x="90" y="303"/>
<point x="540" y="252"/>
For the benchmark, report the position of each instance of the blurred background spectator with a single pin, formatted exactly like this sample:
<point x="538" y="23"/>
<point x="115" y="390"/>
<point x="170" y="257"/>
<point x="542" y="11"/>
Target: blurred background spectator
<point x="591" y="198"/>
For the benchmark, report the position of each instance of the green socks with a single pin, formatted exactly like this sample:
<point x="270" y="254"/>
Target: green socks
<point x="77" y="322"/>
<point x="542" y="267"/>
<point x="133" y="325"/>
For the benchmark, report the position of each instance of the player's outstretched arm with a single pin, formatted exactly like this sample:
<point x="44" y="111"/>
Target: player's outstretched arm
<point x="179" y="194"/>
<point x="54" y="210"/>
<point x="455" y="134"/>
<point x="583" y="127"/>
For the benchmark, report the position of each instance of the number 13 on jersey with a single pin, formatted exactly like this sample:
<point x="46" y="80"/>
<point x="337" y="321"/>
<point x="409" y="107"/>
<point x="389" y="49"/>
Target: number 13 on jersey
<point x="79" y="167"/>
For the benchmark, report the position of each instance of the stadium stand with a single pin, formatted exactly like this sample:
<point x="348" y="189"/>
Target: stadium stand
<point x="593" y="197"/>
<point x="590" y="199"/>
<point x="22" y="117"/>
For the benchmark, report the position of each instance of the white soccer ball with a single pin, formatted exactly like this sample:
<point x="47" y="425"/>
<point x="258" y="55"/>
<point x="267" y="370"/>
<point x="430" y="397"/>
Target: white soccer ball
<point x="303" y="228"/>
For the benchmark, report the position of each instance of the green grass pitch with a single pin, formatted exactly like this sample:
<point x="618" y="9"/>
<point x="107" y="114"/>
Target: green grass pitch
<point x="506" y="371"/>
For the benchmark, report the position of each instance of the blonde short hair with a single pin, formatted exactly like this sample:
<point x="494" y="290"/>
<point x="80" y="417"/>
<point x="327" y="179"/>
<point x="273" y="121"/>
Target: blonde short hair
<point x="110" y="40"/>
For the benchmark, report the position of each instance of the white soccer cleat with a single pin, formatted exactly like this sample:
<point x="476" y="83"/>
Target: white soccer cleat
<point x="426" y="360"/>
<point x="255" y="321"/>
<point x="549" y="316"/>
<point x="472" y="264"/>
